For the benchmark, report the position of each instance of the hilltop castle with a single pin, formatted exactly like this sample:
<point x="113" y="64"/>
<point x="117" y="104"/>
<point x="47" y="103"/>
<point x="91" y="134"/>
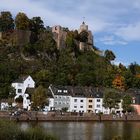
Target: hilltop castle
<point x="59" y="34"/>
<point x="21" y="37"/>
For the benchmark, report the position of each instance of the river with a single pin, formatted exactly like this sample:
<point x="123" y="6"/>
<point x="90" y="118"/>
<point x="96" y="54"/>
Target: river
<point x="88" y="130"/>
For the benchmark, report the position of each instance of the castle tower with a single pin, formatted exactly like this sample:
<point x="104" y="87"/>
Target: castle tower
<point x="83" y="27"/>
<point x="89" y="44"/>
<point x="59" y="36"/>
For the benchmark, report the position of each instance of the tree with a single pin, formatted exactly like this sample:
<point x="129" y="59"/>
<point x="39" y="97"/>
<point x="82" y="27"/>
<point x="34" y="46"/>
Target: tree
<point x="71" y="42"/>
<point x="19" y="99"/>
<point x="39" y="98"/>
<point x="36" y="24"/>
<point x="47" y="47"/>
<point x="111" y="100"/>
<point x="22" y="21"/>
<point x="134" y="68"/>
<point x="119" y="82"/>
<point x="126" y="103"/>
<point x="6" y="21"/>
<point x="83" y="36"/>
<point x="109" y="55"/>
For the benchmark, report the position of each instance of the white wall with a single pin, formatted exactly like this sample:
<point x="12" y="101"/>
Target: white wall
<point x="98" y="106"/>
<point x="76" y="104"/>
<point x="28" y="82"/>
<point x="51" y="103"/>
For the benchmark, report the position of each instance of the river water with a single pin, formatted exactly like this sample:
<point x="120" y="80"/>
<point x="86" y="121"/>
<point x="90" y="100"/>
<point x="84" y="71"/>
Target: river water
<point x="89" y="130"/>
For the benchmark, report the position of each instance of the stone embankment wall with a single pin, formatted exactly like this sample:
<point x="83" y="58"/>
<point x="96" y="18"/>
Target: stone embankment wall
<point x="53" y="116"/>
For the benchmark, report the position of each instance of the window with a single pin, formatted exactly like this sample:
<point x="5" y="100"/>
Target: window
<point x="81" y="100"/>
<point x="59" y="91"/>
<point x="67" y="97"/>
<point x="98" y="106"/>
<point x="90" y="106"/>
<point x="19" y="90"/>
<point x="81" y="106"/>
<point x="56" y="97"/>
<point x="98" y="100"/>
<point x="59" y="97"/>
<point x="65" y="91"/>
<point x="75" y="106"/>
<point x="55" y="103"/>
<point x="60" y="103"/>
<point x="75" y="100"/>
<point x="90" y="101"/>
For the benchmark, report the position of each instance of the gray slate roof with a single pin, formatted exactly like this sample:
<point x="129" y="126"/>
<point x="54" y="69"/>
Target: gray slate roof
<point x="21" y="79"/>
<point x="78" y="91"/>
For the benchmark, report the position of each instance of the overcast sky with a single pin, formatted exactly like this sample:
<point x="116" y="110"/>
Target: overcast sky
<point x="114" y="23"/>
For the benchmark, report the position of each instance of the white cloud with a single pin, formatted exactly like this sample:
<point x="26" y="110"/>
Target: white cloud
<point x="117" y="62"/>
<point x="130" y="32"/>
<point x="111" y="40"/>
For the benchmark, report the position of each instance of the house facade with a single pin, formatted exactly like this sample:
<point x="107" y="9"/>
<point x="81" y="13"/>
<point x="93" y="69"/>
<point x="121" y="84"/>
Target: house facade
<point x="78" y="104"/>
<point x="135" y="94"/>
<point x="80" y="100"/>
<point x="61" y="97"/>
<point x="20" y="86"/>
<point x="90" y="105"/>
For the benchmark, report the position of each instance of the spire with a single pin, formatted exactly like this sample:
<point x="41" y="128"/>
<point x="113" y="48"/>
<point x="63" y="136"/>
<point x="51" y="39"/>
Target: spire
<point x="83" y="20"/>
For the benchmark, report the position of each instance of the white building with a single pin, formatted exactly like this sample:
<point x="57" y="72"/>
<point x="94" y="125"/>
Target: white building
<point x="80" y="99"/>
<point x="98" y="106"/>
<point x="61" y="97"/>
<point x="20" y="86"/>
<point x="78" y="104"/>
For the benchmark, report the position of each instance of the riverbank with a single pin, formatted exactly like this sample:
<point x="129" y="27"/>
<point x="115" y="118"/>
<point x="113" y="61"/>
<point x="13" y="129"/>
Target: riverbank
<point x="53" y="116"/>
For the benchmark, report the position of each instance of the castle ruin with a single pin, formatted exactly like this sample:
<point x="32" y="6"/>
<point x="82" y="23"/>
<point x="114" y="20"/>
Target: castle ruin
<point x="60" y="34"/>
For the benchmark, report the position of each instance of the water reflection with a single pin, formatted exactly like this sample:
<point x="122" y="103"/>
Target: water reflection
<point x="89" y="130"/>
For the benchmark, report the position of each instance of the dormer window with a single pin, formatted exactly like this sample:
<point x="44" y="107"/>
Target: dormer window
<point x="65" y="91"/>
<point x="59" y="91"/>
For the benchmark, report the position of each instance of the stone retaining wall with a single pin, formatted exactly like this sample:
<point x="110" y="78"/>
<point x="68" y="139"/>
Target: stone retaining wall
<point x="52" y="116"/>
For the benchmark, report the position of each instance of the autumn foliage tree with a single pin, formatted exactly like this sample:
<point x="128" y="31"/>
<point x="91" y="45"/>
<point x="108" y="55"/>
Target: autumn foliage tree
<point x="119" y="82"/>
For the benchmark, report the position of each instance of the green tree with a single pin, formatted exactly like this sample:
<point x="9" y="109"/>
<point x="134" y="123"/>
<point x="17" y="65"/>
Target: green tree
<point x="126" y="102"/>
<point x="83" y="36"/>
<point x="36" y="25"/>
<point x="71" y="42"/>
<point x="47" y="47"/>
<point x="134" y="68"/>
<point x="109" y="55"/>
<point x="6" y="21"/>
<point x="39" y="98"/>
<point x="22" y="21"/>
<point x="111" y="100"/>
